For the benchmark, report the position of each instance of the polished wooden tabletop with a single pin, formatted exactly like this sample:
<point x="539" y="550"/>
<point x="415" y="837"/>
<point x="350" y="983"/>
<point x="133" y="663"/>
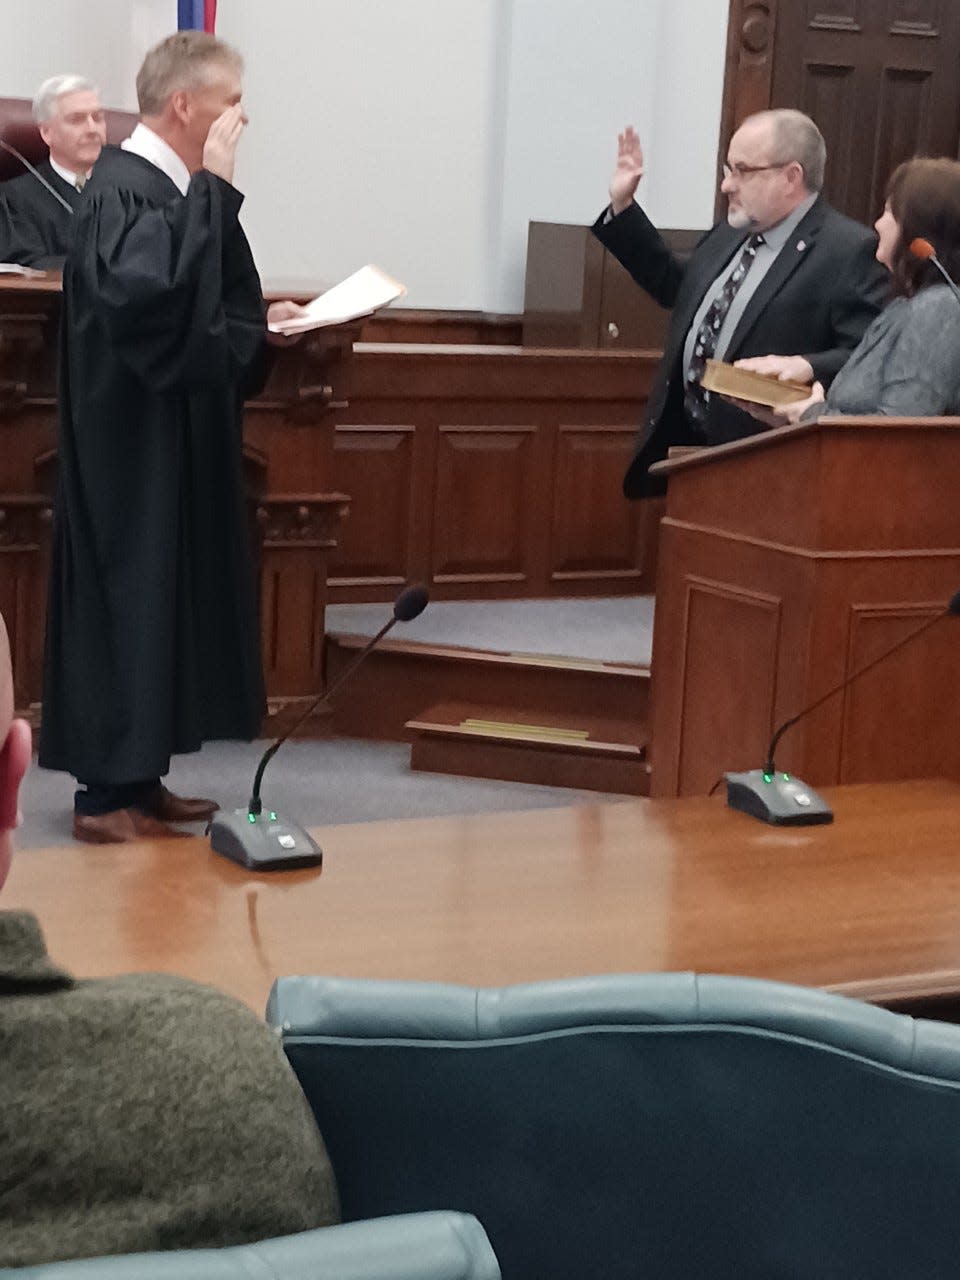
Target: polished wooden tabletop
<point x="869" y="905"/>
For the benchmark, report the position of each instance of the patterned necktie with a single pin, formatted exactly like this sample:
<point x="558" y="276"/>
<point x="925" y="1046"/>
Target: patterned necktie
<point x="80" y="182"/>
<point x="705" y="343"/>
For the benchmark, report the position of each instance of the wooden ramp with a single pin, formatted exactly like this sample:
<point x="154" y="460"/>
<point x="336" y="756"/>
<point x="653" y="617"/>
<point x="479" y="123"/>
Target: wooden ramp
<point x="548" y="719"/>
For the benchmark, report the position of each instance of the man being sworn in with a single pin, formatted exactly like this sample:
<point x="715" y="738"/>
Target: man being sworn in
<point x="152" y="633"/>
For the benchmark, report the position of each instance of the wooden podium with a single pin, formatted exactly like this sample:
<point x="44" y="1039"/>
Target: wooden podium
<point x="787" y="561"/>
<point x="288" y="457"/>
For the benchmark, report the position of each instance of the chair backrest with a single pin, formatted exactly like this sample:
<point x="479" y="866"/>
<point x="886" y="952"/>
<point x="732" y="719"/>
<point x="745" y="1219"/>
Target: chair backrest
<point x="624" y="1126"/>
<point x="18" y="129"/>
<point x="423" y="1246"/>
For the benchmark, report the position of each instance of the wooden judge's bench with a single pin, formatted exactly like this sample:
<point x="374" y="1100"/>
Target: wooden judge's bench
<point x="288" y="453"/>
<point x="437" y="450"/>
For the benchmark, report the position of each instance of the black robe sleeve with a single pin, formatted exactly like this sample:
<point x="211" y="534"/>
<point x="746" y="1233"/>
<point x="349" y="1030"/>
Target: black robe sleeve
<point x="27" y="237"/>
<point x="171" y="286"/>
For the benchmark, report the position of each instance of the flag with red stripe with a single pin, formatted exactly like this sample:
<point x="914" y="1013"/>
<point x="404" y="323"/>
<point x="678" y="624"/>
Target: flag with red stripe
<point x="196" y="15"/>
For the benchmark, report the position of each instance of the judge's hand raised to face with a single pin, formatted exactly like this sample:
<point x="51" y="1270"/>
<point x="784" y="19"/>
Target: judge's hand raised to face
<point x="629" y="170"/>
<point x="285" y="310"/>
<point x="220" y="148"/>
<point x="785" y="368"/>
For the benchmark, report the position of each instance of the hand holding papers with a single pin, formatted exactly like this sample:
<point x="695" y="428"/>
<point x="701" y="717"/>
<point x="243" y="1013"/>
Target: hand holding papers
<point x="14" y="269"/>
<point x="360" y="294"/>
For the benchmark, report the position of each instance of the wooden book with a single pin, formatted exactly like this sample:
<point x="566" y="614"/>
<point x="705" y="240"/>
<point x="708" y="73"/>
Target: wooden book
<point x="758" y="388"/>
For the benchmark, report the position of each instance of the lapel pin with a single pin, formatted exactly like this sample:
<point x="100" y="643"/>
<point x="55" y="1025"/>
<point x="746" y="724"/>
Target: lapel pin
<point x="801" y="245"/>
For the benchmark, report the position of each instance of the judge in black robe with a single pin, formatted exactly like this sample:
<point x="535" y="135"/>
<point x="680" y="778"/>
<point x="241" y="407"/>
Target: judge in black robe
<point x="35" y="227"/>
<point x="152" y="632"/>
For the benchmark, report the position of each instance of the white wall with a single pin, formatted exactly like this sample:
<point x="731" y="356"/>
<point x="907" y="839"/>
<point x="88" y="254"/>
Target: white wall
<point x="425" y="134"/>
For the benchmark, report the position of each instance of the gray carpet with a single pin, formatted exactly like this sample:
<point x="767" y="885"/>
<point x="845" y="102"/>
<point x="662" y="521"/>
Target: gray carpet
<point x="606" y="629"/>
<point x="345" y="780"/>
<point x="315" y="783"/>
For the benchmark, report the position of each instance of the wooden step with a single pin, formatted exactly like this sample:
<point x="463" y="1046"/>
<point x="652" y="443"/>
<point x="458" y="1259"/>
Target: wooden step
<point x="552" y="749"/>
<point x="400" y="678"/>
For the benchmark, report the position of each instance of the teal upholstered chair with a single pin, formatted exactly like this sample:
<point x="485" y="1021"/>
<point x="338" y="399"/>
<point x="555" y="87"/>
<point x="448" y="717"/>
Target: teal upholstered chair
<point x="427" y="1246"/>
<point x="664" y="1125"/>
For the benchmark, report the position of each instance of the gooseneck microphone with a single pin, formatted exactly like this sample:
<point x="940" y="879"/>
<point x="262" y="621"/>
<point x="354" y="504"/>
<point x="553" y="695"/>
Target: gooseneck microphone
<point x="39" y="176"/>
<point x="264" y="841"/>
<point x="924" y="250"/>
<point x="786" y="801"/>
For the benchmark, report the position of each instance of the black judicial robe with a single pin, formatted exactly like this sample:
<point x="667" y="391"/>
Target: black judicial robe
<point x="152" y="627"/>
<point x="35" y="228"/>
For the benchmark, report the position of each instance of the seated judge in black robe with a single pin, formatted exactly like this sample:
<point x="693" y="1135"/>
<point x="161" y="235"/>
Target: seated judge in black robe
<point x="37" y="209"/>
<point x="35" y="227"/>
<point x="152" y="644"/>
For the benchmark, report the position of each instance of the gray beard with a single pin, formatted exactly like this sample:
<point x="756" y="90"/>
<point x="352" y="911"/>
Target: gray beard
<point x="740" y="219"/>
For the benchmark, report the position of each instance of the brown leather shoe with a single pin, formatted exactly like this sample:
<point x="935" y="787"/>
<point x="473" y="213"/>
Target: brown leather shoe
<point x="148" y="827"/>
<point x="104" y="828"/>
<point x="119" y="826"/>
<point x="166" y="806"/>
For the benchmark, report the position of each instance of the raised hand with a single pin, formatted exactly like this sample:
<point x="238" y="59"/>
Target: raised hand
<point x="220" y="148"/>
<point x="629" y="170"/>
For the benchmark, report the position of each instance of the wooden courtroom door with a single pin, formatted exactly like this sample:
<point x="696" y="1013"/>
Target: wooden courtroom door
<point x="880" y="77"/>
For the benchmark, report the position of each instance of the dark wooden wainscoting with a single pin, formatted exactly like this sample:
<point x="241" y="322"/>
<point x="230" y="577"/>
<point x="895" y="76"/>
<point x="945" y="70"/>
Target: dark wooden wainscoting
<point x="878" y="76"/>
<point x="490" y="471"/>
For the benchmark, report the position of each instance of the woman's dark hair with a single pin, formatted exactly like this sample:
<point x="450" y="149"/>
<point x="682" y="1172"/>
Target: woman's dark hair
<point x="924" y="197"/>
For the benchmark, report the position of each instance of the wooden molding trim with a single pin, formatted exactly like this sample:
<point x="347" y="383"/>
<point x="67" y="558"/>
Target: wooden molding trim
<point x="748" y="75"/>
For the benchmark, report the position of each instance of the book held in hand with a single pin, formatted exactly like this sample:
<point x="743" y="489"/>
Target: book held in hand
<point x="366" y="291"/>
<point x="759" y="388"/>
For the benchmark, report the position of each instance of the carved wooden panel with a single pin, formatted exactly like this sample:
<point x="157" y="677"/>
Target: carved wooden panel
<point x="375" y="466"/>
<point x="878" y="76"/>
<point x="920" y="18"/>
<point x="828" y="95"/>
<point x="483" y="499"/>
<point x="903" y="124"/>
<point x="292" y="595"/>
<point x="748" y="77"/>
<point x="24" y="554"/>
<point x="900" y="720"/>
<point x="834" y="15"/>
<point x="726" y="713"/>
<point x="593" y="536"/>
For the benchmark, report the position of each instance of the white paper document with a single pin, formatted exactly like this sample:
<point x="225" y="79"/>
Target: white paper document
<point x="14" y="269"/>
<point x="360" y="294"/>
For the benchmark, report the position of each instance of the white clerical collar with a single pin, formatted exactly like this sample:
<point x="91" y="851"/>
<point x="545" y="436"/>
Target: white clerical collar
<point x="150" y="146"/>
<point x="69" y="178"/>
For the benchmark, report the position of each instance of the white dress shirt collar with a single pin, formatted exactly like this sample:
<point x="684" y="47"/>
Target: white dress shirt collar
<point x="69" y="178"/>
<point x="150" y="146"/>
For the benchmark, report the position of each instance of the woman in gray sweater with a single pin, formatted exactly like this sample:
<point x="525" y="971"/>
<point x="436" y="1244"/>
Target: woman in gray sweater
<point x="908" y="362"/>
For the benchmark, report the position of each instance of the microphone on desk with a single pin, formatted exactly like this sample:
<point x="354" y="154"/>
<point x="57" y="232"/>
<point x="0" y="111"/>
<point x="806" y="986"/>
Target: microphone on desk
<point x="782" y="800"/>
<point x="39" y="176"/>
<point x="263" y="841"/>
<point x="924" y="250"/>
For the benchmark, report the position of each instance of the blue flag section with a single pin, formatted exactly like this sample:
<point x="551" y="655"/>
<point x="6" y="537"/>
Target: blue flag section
<point x="196" y="15"/>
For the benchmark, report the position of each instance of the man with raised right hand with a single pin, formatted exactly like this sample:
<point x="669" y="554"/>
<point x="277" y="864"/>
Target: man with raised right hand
<point x="784" y="285"/>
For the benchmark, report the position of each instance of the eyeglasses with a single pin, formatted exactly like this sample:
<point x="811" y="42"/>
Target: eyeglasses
<point x="741" y="171"/>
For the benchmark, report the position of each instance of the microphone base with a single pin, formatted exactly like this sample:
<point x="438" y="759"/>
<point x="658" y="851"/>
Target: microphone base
<point x="777" y="798"/>
<point x="263" y="842"/>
